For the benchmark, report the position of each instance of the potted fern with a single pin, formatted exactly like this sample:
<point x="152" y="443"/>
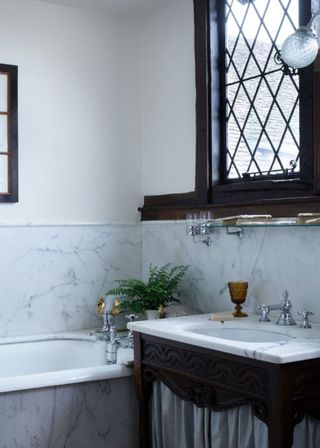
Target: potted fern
<point x="156" y="293"/>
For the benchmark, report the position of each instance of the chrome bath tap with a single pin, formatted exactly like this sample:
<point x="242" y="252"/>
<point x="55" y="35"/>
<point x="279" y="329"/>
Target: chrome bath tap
<point x="284" y="306"/>
<point x="108" y="330"/>
<point x="112" y="345"/>
<point x="108" y="313"/>
<point x="107" y="324"/>
<point x="129" y="339"/>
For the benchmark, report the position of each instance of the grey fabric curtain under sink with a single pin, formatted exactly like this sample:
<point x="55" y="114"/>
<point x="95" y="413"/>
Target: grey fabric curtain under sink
<point x="181" y="424"/>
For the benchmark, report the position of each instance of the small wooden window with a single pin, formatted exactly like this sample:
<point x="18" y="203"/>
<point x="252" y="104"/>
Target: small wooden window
<point x="266" y="111"/>
<point x="8" y="133"/>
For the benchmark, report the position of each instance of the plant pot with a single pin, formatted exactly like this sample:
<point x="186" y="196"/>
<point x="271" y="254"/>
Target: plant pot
<point x="152" y="314"/>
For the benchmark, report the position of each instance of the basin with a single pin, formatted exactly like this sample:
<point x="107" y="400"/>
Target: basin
<point x="246" y="337"/>
<point x="242" y="334"/>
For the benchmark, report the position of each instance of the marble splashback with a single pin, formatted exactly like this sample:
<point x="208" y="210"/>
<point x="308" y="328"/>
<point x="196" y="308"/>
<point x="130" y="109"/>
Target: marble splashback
<point x="52" y="276"/>
<point x="271" y="260"/>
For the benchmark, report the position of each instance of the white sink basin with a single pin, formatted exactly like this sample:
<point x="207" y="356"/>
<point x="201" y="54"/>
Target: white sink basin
<point x="244" y="337"/>
<point x="242" y="334"/>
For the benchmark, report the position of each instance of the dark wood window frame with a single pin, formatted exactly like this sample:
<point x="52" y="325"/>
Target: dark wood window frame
<point x="285" y="198"/>
<point x="12" y="152"/>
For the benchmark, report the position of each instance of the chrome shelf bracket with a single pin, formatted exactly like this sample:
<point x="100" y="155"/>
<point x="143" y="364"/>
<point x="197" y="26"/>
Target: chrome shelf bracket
<point x="235" y="231"/>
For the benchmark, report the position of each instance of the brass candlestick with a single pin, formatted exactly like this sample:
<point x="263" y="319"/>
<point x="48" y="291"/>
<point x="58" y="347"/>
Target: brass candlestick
<point x="238" y="293"/>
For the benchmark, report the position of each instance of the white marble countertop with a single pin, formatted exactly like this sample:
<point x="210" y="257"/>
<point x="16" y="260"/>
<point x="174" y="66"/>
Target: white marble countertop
<point x="294" y="344"/>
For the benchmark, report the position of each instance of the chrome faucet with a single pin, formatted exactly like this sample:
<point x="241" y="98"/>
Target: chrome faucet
<point x="305" y="315"/>
<point x="109" y="332"/>
<point x="112" y="345"/>
<point x="108" y="321"/>
<point x="129" y="338"/>
<point x="108" y="313"/>
<point x="285" y="308"/>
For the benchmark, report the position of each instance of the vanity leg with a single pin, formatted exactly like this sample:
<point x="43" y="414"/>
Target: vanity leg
<point x="143" y="392"/>
<point x="144" y="434"/>
<point x="280" y="410"/>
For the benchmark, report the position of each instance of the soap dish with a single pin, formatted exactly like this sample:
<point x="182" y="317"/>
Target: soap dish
<point x="221" y="317"/>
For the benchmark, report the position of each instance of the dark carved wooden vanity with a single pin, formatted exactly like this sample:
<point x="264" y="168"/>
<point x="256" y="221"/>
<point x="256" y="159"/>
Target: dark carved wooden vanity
<point x="280" y="394"/>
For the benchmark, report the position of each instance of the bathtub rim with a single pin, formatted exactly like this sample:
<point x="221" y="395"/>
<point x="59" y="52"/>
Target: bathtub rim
<point x="63" y="377"/>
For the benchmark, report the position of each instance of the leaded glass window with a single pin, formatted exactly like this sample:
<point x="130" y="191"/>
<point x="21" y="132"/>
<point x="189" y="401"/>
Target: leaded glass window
<point x="262" y="100"/>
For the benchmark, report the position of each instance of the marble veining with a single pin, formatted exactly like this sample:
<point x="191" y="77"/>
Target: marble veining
<point x="271" y="260"/>
<point x="52" y="276"/>
<point x="301" y="344"/>
<point x="88" y="415"/>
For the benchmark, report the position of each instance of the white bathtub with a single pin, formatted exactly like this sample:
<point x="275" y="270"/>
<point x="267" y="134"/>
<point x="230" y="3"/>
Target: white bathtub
<point x="56" y="359"/>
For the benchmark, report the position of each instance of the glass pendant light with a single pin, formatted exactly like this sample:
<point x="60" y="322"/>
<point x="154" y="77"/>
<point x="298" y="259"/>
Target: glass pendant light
<point x="301" y="48"/>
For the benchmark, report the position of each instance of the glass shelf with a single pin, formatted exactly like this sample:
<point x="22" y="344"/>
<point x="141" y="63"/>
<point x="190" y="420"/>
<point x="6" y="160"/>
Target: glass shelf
<point x="202" y="231"/>
<point x="264" y="224"/>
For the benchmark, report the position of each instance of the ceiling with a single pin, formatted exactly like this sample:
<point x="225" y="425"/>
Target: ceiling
<point x="115" y="6"/>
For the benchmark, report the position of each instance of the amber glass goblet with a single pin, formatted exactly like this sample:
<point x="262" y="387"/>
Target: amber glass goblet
<point x="238" y="293"/>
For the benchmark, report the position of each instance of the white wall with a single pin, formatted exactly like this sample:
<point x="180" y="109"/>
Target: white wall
<point x="168" y="99"/>
<point x="79" y="112"/>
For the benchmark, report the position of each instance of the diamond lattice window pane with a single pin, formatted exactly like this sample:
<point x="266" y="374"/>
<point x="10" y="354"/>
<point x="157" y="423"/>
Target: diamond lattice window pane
<point x="264" y="155"/>
<point x="288" y="150"/>
<point x="285" y="31"/>
<point x="232" y="74"/>
<point x="252" y="88"/>
<point x="295" y="124"/>
<point x="242" y="157"/>
<point x="261" y="6"/>
<point x="241" y="55"/>
<point x="241" y="106"/>
<point x="275" y="127"/>
<point x="273" y="19"/>
<point x="262" y="102"/>
<point x="288" y="95"/>
<point x="253" y="131"/>
<point x="233" y="136"/>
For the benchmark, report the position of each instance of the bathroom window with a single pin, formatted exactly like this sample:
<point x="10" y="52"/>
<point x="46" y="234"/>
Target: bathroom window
<point x="8" y="134"/>
<point x="262" y="108"/>
<point x="257" y="138"/>
<point x="263" y="148"/>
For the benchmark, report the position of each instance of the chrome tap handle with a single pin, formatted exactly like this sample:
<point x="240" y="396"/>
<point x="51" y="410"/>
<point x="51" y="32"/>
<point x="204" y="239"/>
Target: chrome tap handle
<point x="106" y="327"/>
<point x="131" y="317"/>
<point x="285" y="303"/>
<point x="264" y="313"/>
<point x="113" y="335"/>
<point x="285" y="307"/>
<point x="305" y="315"/>
<point x="130" y="342"/>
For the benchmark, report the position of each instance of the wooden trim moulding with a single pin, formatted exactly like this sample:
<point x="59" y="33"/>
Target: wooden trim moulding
<point x="279" y="207"/>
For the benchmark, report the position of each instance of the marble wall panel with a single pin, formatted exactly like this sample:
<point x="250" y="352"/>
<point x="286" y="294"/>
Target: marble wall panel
<point x="52" y="276"/>
<point x="270" y="259"/>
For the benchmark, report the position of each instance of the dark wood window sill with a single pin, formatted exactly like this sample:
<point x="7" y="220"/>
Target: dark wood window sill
<point x="277" y="207"/>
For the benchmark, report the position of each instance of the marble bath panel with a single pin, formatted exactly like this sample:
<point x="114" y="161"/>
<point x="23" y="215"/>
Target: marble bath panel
<point x="271" y="260"/>
<point x="52" y="276"/>
<point x="99" y="414"/>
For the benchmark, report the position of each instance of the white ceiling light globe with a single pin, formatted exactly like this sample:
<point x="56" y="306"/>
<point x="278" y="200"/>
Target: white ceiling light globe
<point x="300" y="48"/>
